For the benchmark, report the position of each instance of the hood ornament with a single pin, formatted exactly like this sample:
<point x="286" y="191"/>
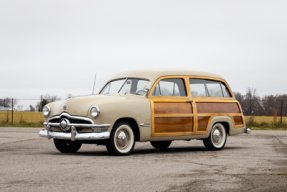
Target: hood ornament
<point x="65" y="107"/>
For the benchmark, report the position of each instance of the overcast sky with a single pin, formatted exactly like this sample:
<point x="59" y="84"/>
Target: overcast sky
<point x="56" y="47"/>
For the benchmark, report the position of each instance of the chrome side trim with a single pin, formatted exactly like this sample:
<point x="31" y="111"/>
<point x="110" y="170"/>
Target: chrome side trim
<point x="103" y="126"/>
<point x="145" y="125"/>
<point x="74" y="135"/>
<point x="71" y="117"/>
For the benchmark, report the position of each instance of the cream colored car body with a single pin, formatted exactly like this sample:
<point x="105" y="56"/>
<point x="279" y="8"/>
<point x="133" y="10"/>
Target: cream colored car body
<point x="136" y="107"/>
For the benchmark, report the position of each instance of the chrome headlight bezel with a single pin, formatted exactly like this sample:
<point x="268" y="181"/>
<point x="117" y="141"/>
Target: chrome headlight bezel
<point x="95" y="112"/>
<point x="46" y="111"/>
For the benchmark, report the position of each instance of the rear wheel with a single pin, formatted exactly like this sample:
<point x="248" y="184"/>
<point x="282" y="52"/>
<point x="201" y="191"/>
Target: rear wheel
<point x="160" y="144"/>
<point x="122" y="139"/>
<point x="66" y="146"/>
<point x="217" y="138"/>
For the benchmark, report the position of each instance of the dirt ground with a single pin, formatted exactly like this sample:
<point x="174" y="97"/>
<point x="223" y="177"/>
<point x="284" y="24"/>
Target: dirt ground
<point x="255" y="162"/>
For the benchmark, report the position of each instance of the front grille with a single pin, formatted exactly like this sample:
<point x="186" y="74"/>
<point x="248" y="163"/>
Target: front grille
<point x="72" y="119"/>
<point x="77" y="121"/>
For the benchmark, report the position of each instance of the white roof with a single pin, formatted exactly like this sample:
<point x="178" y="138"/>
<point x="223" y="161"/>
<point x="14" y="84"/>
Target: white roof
<point x="154" y="74"/>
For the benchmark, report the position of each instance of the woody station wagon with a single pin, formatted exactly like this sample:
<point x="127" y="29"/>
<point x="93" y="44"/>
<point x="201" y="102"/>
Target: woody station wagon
<point x="158" y="106"/>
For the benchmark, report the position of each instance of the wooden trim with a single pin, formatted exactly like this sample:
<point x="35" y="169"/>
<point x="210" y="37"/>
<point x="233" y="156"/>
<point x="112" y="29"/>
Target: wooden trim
<point x="238" y="120"/>
<point x="172" y="108"/>
<point x="186" y="79"/>
<point x="173" y="115"/>
<point x="217" y="107"/>
<point x="202" y="123"/>
<point x="172" y="126"/>
<point x="171" y="134"/>
<point x="219" y="114"/>
<point x="176" y="114"/>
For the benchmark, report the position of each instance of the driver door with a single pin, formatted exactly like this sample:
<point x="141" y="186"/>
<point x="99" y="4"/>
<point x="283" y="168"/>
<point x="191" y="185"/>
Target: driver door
<point x="171" y="108"/>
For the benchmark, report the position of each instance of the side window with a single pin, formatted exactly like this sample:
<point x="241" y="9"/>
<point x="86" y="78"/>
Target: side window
<point x="197" y="87"/>
<point x="214" y="88"/>
<point x="170" y="87"/>
<point x="140" y="86"/>
<point x="134" y="86"/>
<point x="225" y="91"/>
<point x="208" y="88"/>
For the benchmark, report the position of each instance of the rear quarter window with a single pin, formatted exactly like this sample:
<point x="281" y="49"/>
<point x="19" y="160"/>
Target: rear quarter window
<point x="208" y="88"/>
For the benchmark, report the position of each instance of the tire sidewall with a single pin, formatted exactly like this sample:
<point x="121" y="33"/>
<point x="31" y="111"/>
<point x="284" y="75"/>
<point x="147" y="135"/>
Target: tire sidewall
<point x="222" y="143"/>
<point x="131" y="135"/>
<point x="112" y="146"/>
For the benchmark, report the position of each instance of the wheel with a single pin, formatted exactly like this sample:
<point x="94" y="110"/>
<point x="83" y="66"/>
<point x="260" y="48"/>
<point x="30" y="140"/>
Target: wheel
<point x="217" y="138"/>
<point x="66" y="146"/>
<point x="160" y="144"/>
<point x="122" y="139"/>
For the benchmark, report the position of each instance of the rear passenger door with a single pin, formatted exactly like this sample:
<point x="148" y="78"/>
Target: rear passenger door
<point x="212" y="97"/>
<point x="171" y="109"/>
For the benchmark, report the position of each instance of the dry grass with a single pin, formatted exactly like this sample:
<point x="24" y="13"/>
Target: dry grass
<point x="18" y="116"/>
<point x="267" y="119"/>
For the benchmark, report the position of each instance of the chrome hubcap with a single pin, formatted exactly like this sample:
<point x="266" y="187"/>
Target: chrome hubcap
<point x="122" y="139"/>
<point x="216" y="136"/>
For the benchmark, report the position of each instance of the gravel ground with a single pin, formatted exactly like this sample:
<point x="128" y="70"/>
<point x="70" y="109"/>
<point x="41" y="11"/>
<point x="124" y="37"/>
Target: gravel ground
<point x="255" y="162"/>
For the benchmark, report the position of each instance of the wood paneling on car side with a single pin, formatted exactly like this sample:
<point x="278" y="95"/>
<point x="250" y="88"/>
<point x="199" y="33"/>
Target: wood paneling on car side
<point x="172" y="108"/>
<point x="218" y="107"/>
<point x="172" y="117"/>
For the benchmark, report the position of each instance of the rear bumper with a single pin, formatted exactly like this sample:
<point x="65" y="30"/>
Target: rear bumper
<point x="247" y="130"/>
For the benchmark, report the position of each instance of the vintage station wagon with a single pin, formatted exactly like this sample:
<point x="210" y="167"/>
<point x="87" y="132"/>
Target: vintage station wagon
<point x="159" y="106"/>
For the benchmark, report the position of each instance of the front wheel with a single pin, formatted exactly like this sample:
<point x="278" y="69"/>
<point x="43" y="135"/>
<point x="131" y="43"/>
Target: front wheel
<point x="217" y="138"/>
<point x="122" y="139"/>
<point x="66" y="146"/>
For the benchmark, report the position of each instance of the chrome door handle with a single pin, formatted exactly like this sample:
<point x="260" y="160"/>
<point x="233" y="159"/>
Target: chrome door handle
<point x="190" y="101"/>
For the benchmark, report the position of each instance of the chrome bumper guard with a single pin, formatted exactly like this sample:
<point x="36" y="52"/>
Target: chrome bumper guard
<point x="99" y="132"/>
<point x="247" y="130"/>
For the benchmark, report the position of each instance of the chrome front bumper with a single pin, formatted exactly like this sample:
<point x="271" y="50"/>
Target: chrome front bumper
<point x="99" y="132"/>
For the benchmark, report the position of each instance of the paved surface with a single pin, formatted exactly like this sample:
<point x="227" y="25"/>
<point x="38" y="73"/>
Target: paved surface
<point x="256" y="162"/>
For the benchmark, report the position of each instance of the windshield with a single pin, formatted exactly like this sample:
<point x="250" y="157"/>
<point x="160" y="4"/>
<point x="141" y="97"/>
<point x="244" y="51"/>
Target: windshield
<point x="126" y="86"/>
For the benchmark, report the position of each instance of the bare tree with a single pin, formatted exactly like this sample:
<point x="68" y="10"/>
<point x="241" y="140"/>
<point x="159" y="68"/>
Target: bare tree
<point x="45" y="100"/>
<point x="20" y="107"/>
<point x="239" y="97"/>
<point x="7" y="102"/>
<point x="251" y="103"/>
<point x="51" y="98"/>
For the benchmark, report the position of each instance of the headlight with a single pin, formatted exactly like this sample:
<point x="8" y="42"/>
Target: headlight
<point x="46" y="111"/>
<point x="95" y="112"/>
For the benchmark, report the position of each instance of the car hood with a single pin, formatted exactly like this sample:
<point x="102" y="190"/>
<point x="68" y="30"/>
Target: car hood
<point x="80" y="106"/>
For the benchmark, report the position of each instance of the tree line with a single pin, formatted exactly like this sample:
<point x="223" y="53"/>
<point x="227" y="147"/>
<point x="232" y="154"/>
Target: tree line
<point x="44" y="100"/>
<point x="251" y="103"/>
<point x="268" y="105"/>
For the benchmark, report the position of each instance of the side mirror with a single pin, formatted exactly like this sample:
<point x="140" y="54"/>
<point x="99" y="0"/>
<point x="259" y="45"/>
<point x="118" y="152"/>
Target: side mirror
<point x="146" y="89"/>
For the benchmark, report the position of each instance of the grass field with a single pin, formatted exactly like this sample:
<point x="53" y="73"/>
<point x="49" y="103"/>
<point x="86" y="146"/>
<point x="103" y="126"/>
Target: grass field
<point x="267" y="119"/>
<point x="31" y="117"/>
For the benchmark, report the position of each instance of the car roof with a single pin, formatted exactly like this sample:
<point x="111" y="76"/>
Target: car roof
<point x="154" y="74"/>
